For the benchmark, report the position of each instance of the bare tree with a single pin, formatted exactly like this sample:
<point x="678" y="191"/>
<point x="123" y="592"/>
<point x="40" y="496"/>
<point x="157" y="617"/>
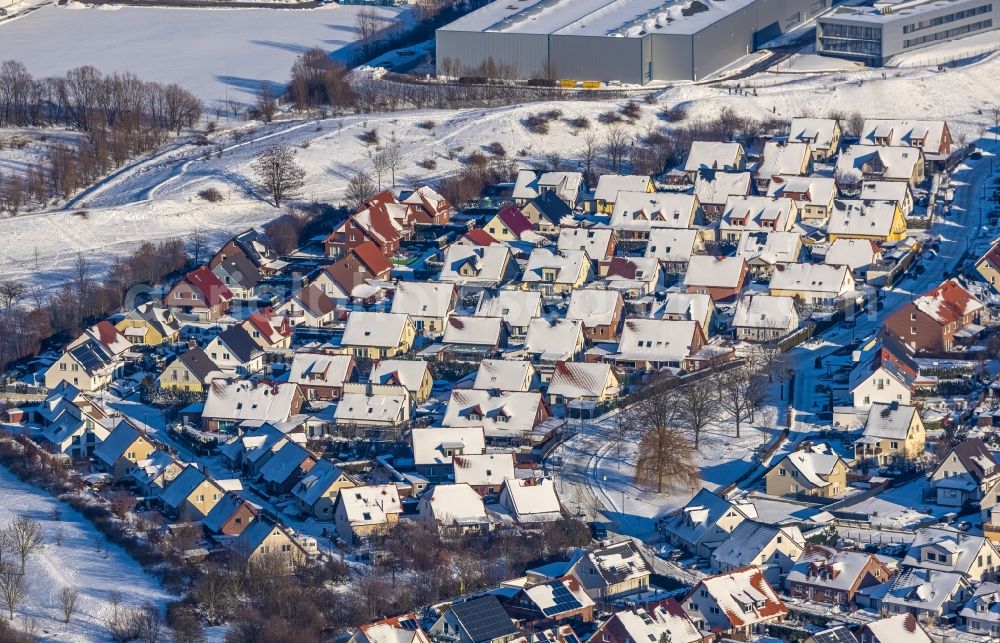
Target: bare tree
<point x="11" y="290"/>
<point x="25" y="536"/>
<point x="278" y="175"/>
<point x="267" y="106"/>
<point x="616" y="146"/>
<point x="368" y="23"/>
<point x="741" y="392"/>
<point x="393" y="156"/>
<point x="380" y="165"/>
<point x="588" y="156"/>
<point x="666" y="458"/>
<point x="360" y="188"/>
<point x="149" y="624"/>
<point x="13" y="589"/>
<point x="67" y="601"/>
<point x="699" y="407"/>
<point x="121" y="503"/>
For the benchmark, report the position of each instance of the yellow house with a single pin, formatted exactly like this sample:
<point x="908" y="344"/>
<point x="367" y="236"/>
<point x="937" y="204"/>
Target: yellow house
<point x="265" y="539"/>
<point x="316" y="494"/>
<point x="609" y="185"/>
<point x="190" y="371"/>
<point x="413" y="375"/>
<point x="375" y="335"/>
<point x="508" y="224"/>
<point x="123" y="449"/>
<point x="192" y="494"/>
<point x="559" y="272"/>
<point x="863" y="219"/>
<point x="149" y="325"/>
<point x="989" y="266"/>
<point x="815" y="471"/>
<point x="892" y="432"/>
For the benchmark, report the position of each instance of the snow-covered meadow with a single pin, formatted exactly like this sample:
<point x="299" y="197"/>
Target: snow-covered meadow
<point x="215" y="53"/>
<point x="74" y="555"/>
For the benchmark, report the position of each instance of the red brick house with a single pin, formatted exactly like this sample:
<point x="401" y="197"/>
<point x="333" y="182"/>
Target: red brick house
<point x="930" y="324"/>
<point x="721" y="278"/>
<point x="429" y="207"/>
<point x="357" y="266"/>
<point x="199" y="294"/>
<point x="374" y="224"/>
<point x="827" y="575"/>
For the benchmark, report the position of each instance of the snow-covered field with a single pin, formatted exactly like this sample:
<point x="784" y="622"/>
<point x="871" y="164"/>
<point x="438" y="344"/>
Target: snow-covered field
<point x="214" y="53"/>
<point x="76" y="562"/>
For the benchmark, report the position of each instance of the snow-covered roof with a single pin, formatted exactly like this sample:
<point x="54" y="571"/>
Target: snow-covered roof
<point x="963" y="548"/>
<point x="783" y="159"/>
<point x="594" y="306"/>
<point x="689" y="306"/>
<point x="317" y="482"/>
<point x="758" y="213"/>
<point x="885" y="191"/>
<point x="657" y="340"/>
<point x="948" y="303"/>
<point x="530" y="498"/>
<point x="643" y="210"/>
<point x="609" y="185"/>
<point x="667" y="620"/>
<point x="429" y="444"/>
<point x="901" y="628"/>
<point x="714" y="156"/>
<point x="595" y="241"/>
<point x="745" y="543"/>
<point x="487" y="263"/>
<point x="627" y="273"/>
<point x="320" y="369"/>
<point x="889" y="421"/>
<point x="717" y="272"/>
<point x="483" y="469"/>
<point x="557" y="339"/>
<point x="699" y="516"/>
<point x="807" y="190"/>
<point x="619" y="563"/>
<point x="558" y="597"/>
<point x="743" y="595"/>
<point x="829" y="568"/>
<point x="858" y="217"/>
<point x="285" y="462"/>
<point x="471" y="330"/>
<point x="408" y="373"/>
<point x="243" y="400"/>
<point x="922" y="589"/>
<point x="423" y="298"/>
<point x="508" y="414"/>
<point x="529" y="184"/>
<point x="453" y="503"/>
<point x="672" y="245"/>
<point x="899" y="162"/>
<point x="770" y="246"/>
<point x="514" y="306"/>
<point x="504" y="375"/>
<point x="811" y="277"/>
<point x="378" y="408"/>
<point x="715" y="188"/>
<point x="853" y="253"/>
<point x="378" y="329"/>
<point x="815" y="464"/>
<point x="924" y="134"/>
<point x="573" y="380"/>
<point x="984" y="605"/>
<point x="765" y="311"/>
<point x="568" y="264"/>
<point x="371" y="504"/>
<point x="818" y="132"/>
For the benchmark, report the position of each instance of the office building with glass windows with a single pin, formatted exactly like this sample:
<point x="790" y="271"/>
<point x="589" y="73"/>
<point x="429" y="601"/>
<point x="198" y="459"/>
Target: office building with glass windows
<point x="874" y="34"/>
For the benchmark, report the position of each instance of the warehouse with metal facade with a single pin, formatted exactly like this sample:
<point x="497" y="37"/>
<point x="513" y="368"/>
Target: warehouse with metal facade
<point x="632" y="41"/>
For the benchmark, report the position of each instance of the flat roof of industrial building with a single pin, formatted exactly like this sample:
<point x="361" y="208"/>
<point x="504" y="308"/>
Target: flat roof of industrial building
<point x="883" y="12"/>
<point x="610" y="18"/>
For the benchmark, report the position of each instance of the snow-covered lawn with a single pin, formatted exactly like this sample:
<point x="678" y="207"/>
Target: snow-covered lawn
<point x="722" y="458"/>
<point x="76" y="562"/>
<point x="214" y="53"/>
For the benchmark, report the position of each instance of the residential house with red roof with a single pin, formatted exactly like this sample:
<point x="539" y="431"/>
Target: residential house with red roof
<point x="429" y="207"/>
<point x="374" y="224"/>
<point x="652" y="622"/>
<point x="199" y="295"/>
<point x="269" y="329"/>
<point x="509" y="224"/>
<point x="931" y="323"/>
<point x="884" y="374"/>
<point x="834" y="576"/>
<point x="737" y="604"/>
<point x="476" y="237"/>
<point x="357" y="266"/>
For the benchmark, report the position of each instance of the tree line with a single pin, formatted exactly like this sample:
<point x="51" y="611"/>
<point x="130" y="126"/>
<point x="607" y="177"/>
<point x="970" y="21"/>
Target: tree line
<point x="119" y="115"/>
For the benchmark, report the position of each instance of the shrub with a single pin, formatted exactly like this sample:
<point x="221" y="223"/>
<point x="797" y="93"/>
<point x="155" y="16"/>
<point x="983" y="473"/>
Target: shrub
<point x="496" y="149"/>
<point x="428" y="163"/>
<point x="369" y="137"/>
<point x="631" y="110"/>
<point x="212" y="195"/>
<point x="610" y="118"/>
<point x="428" y="125"/>
<point x="536" y="124"/>
<point x="578" y="122"/>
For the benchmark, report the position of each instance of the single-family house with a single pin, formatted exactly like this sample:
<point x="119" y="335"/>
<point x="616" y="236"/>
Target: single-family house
<point x="427" y="303"/>
<point x="357" y="266"/>
<point x="556" y="600"/>
<point x="707" y="155"/>
<point x="414" y="375"/>
<point x="558" y="272"/>
<point x="813" y="284"/>
<point x="813" y="195"/>
<point x="898" y="191"/>
<point x="609" y="185"/>
<point x="756" y="213"/>
<point x="922" y="593"/>
<point x="673" y="248"/>
<point x="583" y="382"/>
<point x="857" y="254"/>
<point x="944" y="549"/>
<point x="231" y="403"/>
<point x="366" y="408"/>
<point x="453" y="509"/>
<point x="514" y="306"/>
<point x="834" y="576"/>
<point x="713" y="189"/>
<point x="286" y="467"/>
<point x="483" y="472"/>
<point x="721" y="278"/>
<point x="636" y="213"/>
<point x="191" y="495"/>
<point x="230" y="516"/>
<point x="789" y="158"/>
<point x="475" y="620"/>
<point x="765" y="250"/>
<point x="764" y="318"/>
<point x="546" y="213"/>
<point x="235" y="351"/>
<point x="822" y="134"/>
<point x="771" y="548"/>
<point x="879" y="221"/>
<point x="613" y="572"/>
<point x="149" y="324"/>
<point x="885" y="373"/>
<point x="530" y="500"/>
<point x="316" y="492"/>
<point x="932" y="136"/>
<point x="506" y="375"/>
<point x="931" y="323"/>
<point x="434" y="448"/>
<point x="474" y="338"/>
<point x="321" y="376"/>
<point x="199" y="295"/>
<point x="684" y="306"/>
<point x="192" y="371"/>
<point x="815" y="470"/>
<point x="966" y="474"/>
<point x="123" y="449"/>
<point x="510" y="224"/>
<point x="365" y="511"/>
<point x="704" y="522"/>
<point x="375" y="335"/>
<point x="600" y="310"/>
<point x="568" y="186"/>
<point x="509" y="416"/>
<point x="893" y="432"/>
<point x="737" y="604"/>
<point x="598" y="242"/>
<point x="652" y="344"/>
<point x="861" y="163"/>
<point x="477" y="266"/>
<point x="309" y="307"/>
<point x="552" y="341"/>
<point x="665" y="620"/>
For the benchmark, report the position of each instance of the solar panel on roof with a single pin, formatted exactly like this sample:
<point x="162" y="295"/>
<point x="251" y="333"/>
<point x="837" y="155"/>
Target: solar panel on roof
<point x="563" y="599"/>
<point x="484" y="619"/>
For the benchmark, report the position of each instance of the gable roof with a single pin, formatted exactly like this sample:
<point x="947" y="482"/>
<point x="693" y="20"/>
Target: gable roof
<point x="609" y="185"/>
<point x="817" y="190"/>
<point x="713" y="156"/>
<point x="317" y="482"/>
<point x="423" y="298"/>
<point x="379" y="329"/>
<point x="745" y="543"/>
<point x="212" y="290"/>
<point x="370" y="504"/>
<point x="506" y="414"/>
<point x="889" y="421"/>
<point x="199" y="363"/>
<point x="312" y="369"/>
<point x="408" y="373"/>
<point x="122" y="436"/>
<point x="158" y="317"/>
<point x="514" y="306"/>
<point x="653" y="623"/>
<point x="242" y="400"/>
<point x="557" y="597"/>
<point x="550" y="207"/>
<point x="512" y="217"/>
<point x="948" y="303"/>
<point x="488" y="263"/>
<point x="471" y="330"/>
<point x="240" y="343"/>
<point x="835" y="569"/>
<point x="242" y="269"/>
<point x="223" y="510"/>
<point x="765" y="311"/>
<point x="645" y="210"/>
<point x="783" y="158"/>
<point x="556" y="339"/>
<point x="718" y="272"/>
<point x="672" y="244"/>
<point x="929" y="133"/>
<point x="657" y="340"/>
<point x="976" y="458"/>
<point x="368" y="254"/>
<point x="811" y="277"/>
<point x="861" y="217"/>
<point x="181" y="487"/>
<point x="774" y="246"/>
<point x="743" y="595"/>
<point x="815" y="464"/>
<point x="818" y="132"/>
<point x="429" y="443"/>
<point x="483" y="468"/>
<point x="504" y="375"/>
<point x="290" y="458"/>
<point x="619" y="562"/>
<point x="531" y="498"/>
<point x="454" y="503"/>
<point x="898" y="162"/>
<point x="698" y="517"/>
<point x="595" y="241"/>
<point x="483" y="619"/>
<point x="901" y="628"/>
<point x="579" y="379"/>
<point x="569" y="264"/>
<point x="853" y="253"/>
<point x="715" y="187"/>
